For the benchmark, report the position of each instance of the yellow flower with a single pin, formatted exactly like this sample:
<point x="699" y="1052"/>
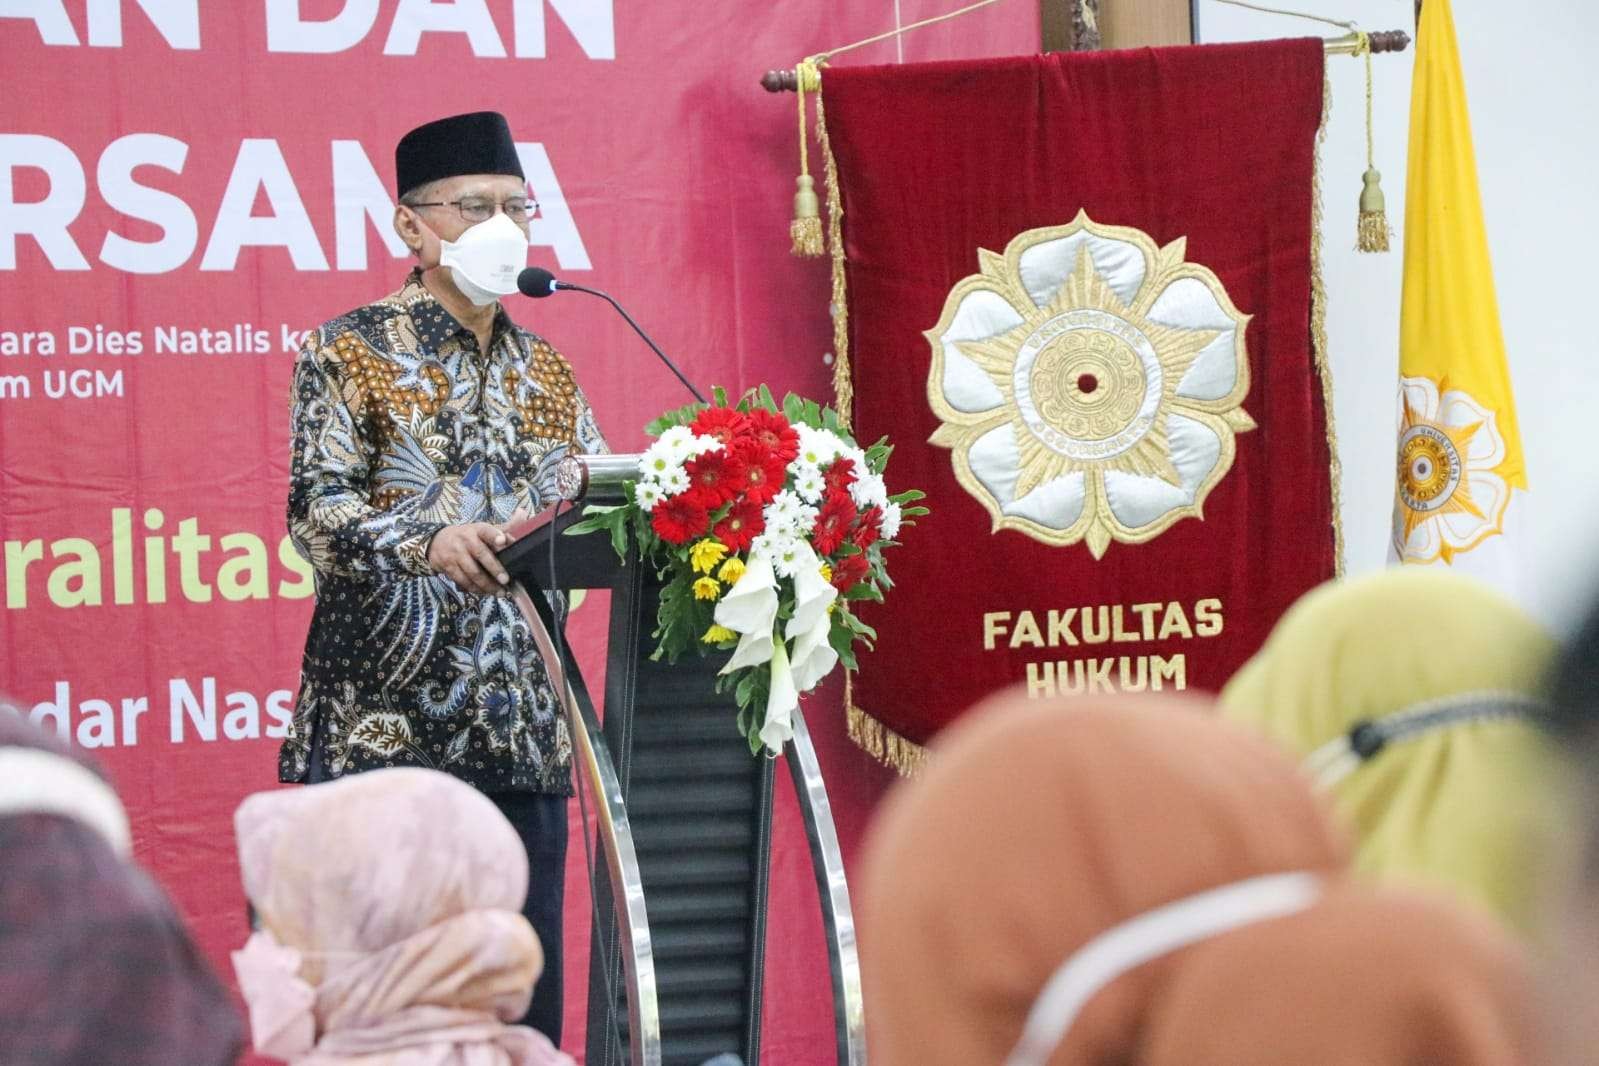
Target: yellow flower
<point x="827" y="572"/>
<point x="731" y="570"/>
<point x="706" y="588"/>
<point x="705" y="555"/>
<point x="718" y="635"/>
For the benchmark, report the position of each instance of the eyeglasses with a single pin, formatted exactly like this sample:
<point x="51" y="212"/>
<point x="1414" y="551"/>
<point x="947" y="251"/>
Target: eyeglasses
<point x="480" y="209"/>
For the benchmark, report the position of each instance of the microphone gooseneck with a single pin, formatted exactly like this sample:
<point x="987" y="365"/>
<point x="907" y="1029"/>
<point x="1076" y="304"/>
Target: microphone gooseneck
<point x="539" y="283"/>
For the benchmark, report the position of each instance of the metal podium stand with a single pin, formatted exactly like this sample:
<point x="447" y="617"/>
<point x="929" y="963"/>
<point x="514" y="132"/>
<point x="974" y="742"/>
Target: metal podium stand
<point x="682" y="815"/>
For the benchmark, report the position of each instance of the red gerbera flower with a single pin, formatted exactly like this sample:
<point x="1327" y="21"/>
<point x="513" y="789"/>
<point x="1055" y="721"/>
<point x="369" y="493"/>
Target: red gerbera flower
<point x="679" y="519"/>
<point x="833" y="522"/>
<point x="775" y="434"/>
<point x="764" y="470"/>
<point x="848" y="572"/>
<point x="714" y="477"/>
<point x="742" y="524"/>
<point x="723" y="423"/>
<point x="840" y="475"/>
<point x="869" y="530"/>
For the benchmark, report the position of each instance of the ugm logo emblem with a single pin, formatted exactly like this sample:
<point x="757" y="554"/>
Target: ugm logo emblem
<point x="1089" y="384"/>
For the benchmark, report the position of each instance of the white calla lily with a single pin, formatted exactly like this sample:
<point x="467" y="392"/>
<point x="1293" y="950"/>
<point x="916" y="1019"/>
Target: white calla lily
<point x="809" y="626"/>
<point x="814" y="657"/>
<point x="781" y="701"/>
<point x="750" y="609"/>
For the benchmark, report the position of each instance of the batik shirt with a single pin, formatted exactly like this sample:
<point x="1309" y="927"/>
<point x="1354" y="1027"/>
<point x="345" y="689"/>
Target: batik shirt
<point x="401" y="426"/>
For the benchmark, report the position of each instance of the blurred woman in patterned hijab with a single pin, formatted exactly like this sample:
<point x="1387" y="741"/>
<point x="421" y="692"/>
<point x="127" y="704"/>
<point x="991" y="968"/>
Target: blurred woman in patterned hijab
<point x="95" y="967"/>
<point x="1129" y="881"/>
<point x="1411" y="698"/>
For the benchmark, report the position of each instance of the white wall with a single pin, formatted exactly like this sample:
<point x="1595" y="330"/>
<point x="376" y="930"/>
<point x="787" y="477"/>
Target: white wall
<point x="1532" y="98"/>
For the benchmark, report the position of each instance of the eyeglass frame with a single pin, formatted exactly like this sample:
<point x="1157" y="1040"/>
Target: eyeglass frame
<point x="532" y="207"/>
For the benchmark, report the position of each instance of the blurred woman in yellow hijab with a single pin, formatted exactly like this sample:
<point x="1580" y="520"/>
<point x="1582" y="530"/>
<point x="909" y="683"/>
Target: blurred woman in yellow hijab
<point x="1411" y="696"/>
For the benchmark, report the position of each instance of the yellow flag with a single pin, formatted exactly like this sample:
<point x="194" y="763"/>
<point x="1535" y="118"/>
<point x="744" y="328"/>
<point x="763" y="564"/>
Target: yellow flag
<point x="1459" y="445"/>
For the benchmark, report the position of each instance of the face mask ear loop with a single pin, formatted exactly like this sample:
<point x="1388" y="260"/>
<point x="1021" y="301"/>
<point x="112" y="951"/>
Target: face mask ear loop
<point x="421" y="253"/>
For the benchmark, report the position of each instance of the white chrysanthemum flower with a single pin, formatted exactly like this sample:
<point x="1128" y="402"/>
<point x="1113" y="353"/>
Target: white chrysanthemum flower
<point x="788" y="515"/>
<point x="799" y="468"/>
<point x="702" y="444"/>
<point x="809" y="485"/>
<point x="657" y="461"/>
<point x="787" y="555"/>
<point x="783" y="508"/>
<point x="677" y="441"/>
<point x="857" y="458"/>
<point x="869" y="491"/>
<point x="647" y="494"/>
<point x="891" y="520"/>
<point x="817" y="447"/>
<point x="673" y="481"/>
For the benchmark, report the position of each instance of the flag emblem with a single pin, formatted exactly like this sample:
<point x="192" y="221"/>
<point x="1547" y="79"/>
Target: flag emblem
<point x="1089" y="384"/>
<point x="1452" y="493"/>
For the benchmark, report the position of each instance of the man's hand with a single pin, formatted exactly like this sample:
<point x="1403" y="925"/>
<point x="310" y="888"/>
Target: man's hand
<point x="465" y="554"/>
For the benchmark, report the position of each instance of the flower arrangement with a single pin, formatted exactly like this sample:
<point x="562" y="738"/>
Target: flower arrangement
<point x="766" y="522"/>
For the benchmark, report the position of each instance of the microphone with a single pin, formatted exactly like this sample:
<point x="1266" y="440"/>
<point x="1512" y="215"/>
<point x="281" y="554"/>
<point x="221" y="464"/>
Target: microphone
<point x="539" y="283"/>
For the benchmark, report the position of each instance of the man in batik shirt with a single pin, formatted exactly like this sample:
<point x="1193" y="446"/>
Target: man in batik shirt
<point x="421" y="424"/>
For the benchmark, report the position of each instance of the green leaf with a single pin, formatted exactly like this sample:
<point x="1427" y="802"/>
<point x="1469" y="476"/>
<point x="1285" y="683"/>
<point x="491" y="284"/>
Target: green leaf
<point x="863" y="591"/>
<point x="595" y="517"/>
<point x="793" y="407"/>
<point x="719" y="396"/>
<point x="907" y="496"/>
<point x="766" y="400"/>
<point x="680" y="620"/>
<point x="680" y="417"/>
<point x="913" y="512"/>
<point x="842" y="640"/>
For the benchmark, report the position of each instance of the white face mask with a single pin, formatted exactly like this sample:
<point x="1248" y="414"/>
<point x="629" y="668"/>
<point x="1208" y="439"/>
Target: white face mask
<point x="485" y="261"/>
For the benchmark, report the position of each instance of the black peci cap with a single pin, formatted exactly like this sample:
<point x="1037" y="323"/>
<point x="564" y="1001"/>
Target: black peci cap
<point x="477" y="143"/>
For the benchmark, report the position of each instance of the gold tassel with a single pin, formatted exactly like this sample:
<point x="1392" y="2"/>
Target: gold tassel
<point x="806" y="229"/>
<point x="1371" y="231"/>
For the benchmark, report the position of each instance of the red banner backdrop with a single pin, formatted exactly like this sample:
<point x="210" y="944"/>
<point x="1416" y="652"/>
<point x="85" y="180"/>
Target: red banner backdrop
<point x="185" y="187"/>
<point x="1094" y="274"/>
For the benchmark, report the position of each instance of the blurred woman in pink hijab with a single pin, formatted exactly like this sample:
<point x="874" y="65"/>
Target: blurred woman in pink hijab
<point x="390" y="927"/>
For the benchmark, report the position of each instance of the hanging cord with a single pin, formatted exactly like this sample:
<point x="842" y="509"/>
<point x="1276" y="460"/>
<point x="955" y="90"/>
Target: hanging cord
<point x="1372" y="232"/>
<point x="805" y="231"/>
<point x="822" y="57"/>
<point x="1340" y="23"/>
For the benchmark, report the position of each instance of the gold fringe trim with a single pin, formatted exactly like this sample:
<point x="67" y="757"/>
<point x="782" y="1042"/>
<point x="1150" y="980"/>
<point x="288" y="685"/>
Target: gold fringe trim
<point x="843" y="383"/>
<point x="905" y="757"/>
<point x="1318" y="335"/>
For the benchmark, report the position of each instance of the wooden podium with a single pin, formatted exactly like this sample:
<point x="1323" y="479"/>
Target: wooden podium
<point x="682" y="814"/>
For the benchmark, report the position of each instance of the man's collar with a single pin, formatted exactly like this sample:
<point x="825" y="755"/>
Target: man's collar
<point x="434" y="324"/>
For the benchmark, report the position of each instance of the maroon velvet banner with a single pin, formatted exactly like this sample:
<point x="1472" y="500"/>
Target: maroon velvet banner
<point x="1080" y="300"/>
